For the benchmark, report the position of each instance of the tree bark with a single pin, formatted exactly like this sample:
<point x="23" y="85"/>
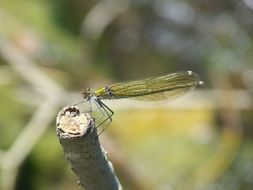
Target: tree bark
<point x="78" y="136"/>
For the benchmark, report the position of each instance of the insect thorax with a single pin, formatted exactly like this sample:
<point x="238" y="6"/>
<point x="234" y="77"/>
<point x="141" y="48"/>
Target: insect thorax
<point x="104" y="93"/>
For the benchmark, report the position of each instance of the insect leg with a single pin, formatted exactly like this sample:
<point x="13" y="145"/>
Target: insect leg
<point x="101" y="110"/>
<point x="108" y="112"/>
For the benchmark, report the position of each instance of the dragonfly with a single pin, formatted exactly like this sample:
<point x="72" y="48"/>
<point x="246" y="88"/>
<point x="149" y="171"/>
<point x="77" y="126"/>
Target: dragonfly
<point x="155" y="89"/>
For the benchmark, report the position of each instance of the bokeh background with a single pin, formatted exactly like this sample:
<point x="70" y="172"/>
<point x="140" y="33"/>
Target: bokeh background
<point x="51" y="50"/>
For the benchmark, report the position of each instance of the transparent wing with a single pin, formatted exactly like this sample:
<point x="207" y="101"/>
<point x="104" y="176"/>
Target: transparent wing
<point x="157" y="89"/>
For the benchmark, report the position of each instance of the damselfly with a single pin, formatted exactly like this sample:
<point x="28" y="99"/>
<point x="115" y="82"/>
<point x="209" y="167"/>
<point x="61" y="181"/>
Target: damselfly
<point x="156" y="89"/>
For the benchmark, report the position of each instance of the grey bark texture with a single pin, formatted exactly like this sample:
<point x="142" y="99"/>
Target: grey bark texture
<point x="77" y="134"/>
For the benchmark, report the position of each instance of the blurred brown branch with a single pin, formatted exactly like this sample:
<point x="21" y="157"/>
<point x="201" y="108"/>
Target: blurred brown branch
<point x="101" y="15"/>
<point x="12" y="159"/>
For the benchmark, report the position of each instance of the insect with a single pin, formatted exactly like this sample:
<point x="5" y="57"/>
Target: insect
<point x="156" y="89"/>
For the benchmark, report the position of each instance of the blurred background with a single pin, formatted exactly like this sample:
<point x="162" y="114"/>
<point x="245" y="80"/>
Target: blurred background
<point x="51" y="50"/>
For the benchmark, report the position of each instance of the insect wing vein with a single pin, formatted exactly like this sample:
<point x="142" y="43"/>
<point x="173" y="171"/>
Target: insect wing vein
<point x="157" y="89"/>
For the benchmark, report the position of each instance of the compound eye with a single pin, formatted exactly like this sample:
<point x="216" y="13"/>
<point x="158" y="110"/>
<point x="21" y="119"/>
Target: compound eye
<point x="109" y="92"/>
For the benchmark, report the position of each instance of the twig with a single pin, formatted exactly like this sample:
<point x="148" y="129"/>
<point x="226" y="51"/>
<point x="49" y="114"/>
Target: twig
<point x="78" y="136"/>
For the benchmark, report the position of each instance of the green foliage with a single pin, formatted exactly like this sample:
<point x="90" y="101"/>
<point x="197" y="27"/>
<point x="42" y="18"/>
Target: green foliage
<point x="187" y="149"/>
